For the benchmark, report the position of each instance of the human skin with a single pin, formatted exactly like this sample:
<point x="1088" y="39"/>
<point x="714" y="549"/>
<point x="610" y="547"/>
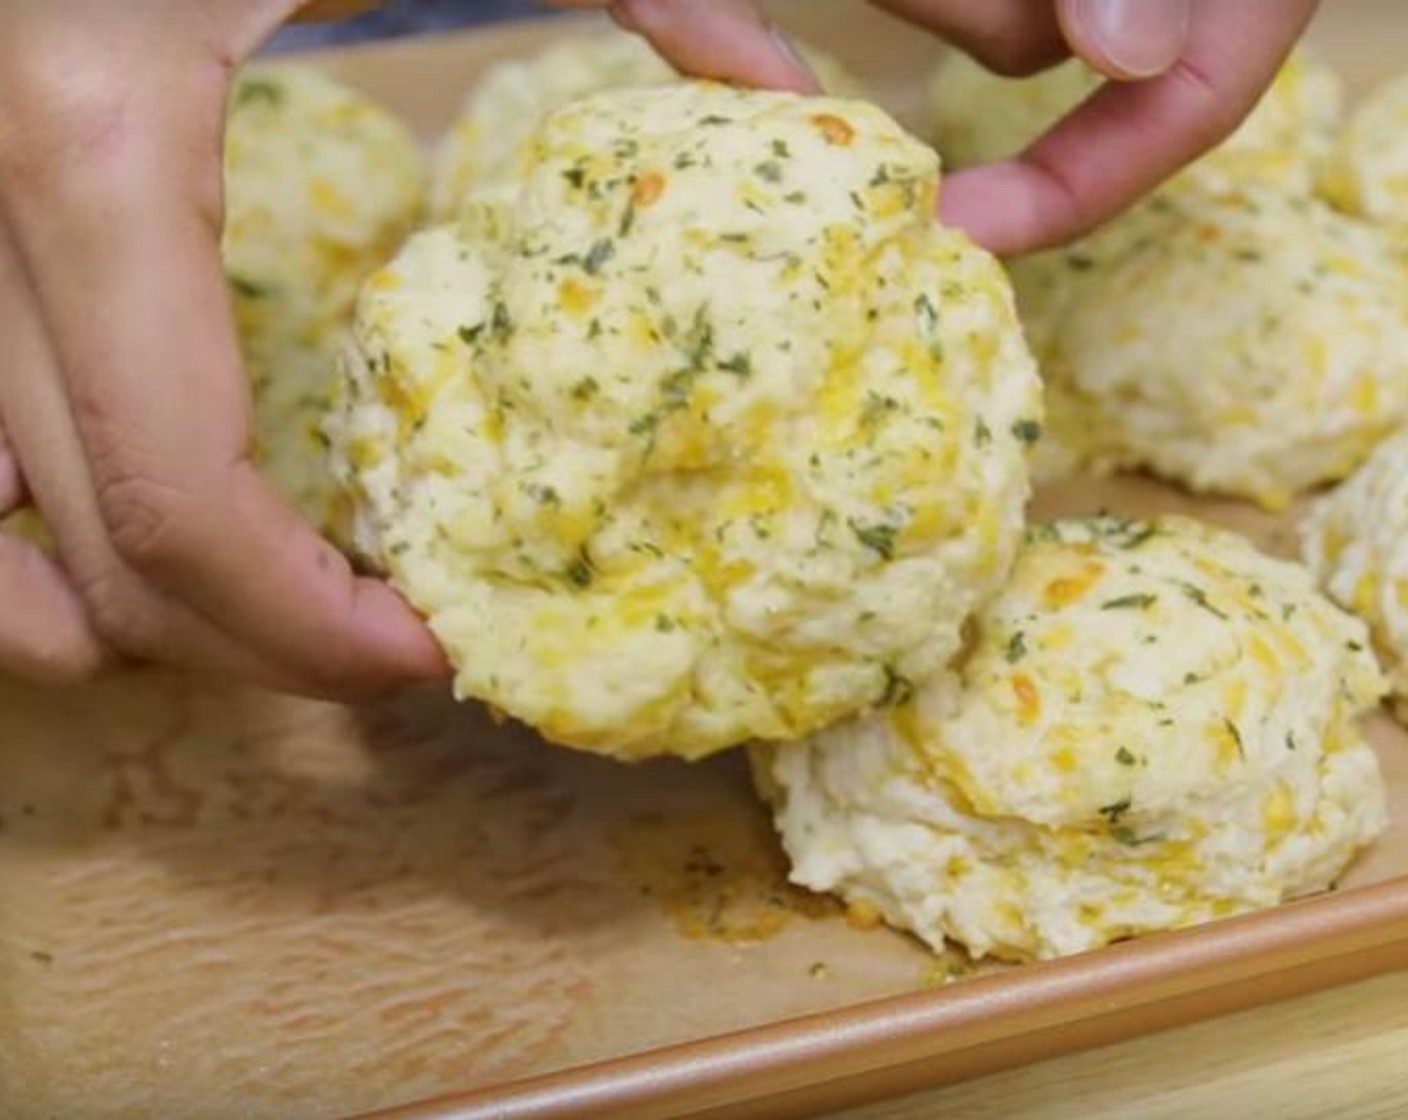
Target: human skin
<point x="1184" y="74"/>
<point x="124" y="411"/>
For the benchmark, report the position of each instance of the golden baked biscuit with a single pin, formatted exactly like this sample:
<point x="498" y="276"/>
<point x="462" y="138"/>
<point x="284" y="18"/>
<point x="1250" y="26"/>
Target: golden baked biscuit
<point x="1251" y="343"/>
<point x="1368" y="175"/>
<point x="1154" y="725"/>
<point x="1356" y="540"/>
<point x="709" y="432"/>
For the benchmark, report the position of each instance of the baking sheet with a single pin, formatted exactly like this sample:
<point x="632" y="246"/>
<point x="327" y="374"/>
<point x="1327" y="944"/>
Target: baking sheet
<point x="210" y="896"/>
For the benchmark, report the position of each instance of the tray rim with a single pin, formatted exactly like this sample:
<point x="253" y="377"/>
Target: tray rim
<point x="878" y="1048"/>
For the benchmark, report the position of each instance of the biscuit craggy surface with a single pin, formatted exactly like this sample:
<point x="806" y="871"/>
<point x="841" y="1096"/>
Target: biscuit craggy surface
<point x="1356" y="539"/>
<point x="1247" y="342"/>
<point x="710" y="433"/>
<point x="1369" y="175"/>
<point x="1154" y="725"/>
<point x="321" y="185"/>
<point x="490" y="142"/>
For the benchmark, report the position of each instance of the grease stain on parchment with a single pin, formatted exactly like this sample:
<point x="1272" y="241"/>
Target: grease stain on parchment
<point x="716" y="875"/>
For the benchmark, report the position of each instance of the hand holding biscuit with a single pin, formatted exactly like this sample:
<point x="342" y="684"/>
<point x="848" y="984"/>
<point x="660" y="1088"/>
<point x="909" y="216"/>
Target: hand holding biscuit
<point x="124" y="410"/>
<point x="124" y="407"/>
<point x="1184" y="73"/>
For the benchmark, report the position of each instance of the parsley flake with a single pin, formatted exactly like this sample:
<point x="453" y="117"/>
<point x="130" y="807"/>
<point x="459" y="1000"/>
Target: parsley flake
<point x="580" y="572"/>
<point x="246" y="287"/>
<point x="740" y="364"/>
<point x="1130" y="602"/>
<point x="1200" y="597"/>
<point x="600" y="252"/>
<point x="501" y="324"/>
<point x="1028" y="431"/>
<point x="1236" y="734"/>
<point x="899" y="689"/>
<point x="1123" y="834"/>
<point x="879" y="538"/>
<point x="1115" y="810"/>
<point x="927" y="312"/>
<point x="253" y="90"/>
<point x="1123" y="532"/>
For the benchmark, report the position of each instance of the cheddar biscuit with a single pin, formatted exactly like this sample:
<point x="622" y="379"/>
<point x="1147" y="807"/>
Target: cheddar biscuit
<point x="1369" y="174"/>
<point x="1154" y="725"/>
<point x="1249" y="343"/>
<point x="709" y="432"/>
<point x="1356" y="539"/>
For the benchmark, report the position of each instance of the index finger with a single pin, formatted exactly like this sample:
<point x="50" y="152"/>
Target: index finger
<point x="728" y="40"/>
<point x="119" y="234"/>
<point x="1127" y="138"/>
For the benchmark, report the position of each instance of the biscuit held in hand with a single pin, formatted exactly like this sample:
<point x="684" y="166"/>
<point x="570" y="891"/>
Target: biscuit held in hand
<point x="707" y="432"/>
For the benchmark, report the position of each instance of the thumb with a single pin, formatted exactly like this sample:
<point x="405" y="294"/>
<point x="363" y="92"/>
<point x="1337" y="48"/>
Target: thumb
<point x="1126" y="40"/>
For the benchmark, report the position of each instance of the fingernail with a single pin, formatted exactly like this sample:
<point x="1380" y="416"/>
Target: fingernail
<point x="1135" y="38"/>
<point x="807" y="79"/>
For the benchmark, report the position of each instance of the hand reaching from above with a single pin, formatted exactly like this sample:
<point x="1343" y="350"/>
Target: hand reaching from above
<point x="1184" y="74"/>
